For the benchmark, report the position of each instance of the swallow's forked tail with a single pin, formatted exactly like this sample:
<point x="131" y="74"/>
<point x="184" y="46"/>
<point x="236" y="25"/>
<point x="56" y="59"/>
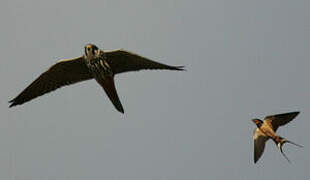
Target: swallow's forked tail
<point x="282" y="141"/>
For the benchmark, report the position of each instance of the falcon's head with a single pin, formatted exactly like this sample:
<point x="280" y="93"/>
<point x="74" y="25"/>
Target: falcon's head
<point x="91" y="51"/>
<point x="258" y="122"/>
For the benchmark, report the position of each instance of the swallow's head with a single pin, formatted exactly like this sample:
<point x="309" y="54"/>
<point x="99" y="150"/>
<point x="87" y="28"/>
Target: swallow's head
<point x="258" y="122"/>
<point x="91" y="50"/>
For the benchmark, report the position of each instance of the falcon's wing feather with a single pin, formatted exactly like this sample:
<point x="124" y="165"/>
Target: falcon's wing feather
<point x="124" y="61"/>
<point x="64" y="72"/>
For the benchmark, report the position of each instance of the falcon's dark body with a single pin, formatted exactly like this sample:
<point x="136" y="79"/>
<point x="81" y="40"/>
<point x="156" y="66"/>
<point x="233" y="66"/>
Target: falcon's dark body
<point x="267" y="130"/>
<point x="97" y="64"/>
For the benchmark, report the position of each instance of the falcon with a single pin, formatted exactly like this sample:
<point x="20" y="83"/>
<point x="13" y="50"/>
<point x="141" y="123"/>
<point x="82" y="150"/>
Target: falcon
<point x="267" y="130"/>
<point x="94" y="64"/>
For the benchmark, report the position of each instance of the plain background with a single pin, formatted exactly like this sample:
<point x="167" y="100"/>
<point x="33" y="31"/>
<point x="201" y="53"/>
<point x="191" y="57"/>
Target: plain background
<point x="244" y="60"/>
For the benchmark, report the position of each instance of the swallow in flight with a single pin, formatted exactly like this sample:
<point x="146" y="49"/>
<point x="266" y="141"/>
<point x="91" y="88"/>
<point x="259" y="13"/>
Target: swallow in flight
<point x="267" y="130"/>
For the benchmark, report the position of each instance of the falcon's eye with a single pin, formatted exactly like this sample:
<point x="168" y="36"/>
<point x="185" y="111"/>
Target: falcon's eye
<point x="91" y="50"/>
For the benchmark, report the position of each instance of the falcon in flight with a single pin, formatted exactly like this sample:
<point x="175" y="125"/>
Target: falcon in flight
<point x="95" y="63"/>
<point x="267" y="130"/>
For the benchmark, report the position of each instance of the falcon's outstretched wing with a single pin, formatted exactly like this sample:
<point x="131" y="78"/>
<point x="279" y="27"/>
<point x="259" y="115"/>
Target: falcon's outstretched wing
<point x="124" y="61"/>
<point x="64" y="72"/>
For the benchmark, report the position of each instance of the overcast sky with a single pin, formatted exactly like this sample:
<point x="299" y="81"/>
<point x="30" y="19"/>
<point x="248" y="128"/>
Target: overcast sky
<point x="244" y="60"/>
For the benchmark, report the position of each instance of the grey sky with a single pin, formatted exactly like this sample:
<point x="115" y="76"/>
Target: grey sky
<point x="244" y="59"/>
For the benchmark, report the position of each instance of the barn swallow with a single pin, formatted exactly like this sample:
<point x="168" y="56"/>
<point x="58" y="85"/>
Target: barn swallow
<point x="267" y="130"/>
<point x="94" y="64"/>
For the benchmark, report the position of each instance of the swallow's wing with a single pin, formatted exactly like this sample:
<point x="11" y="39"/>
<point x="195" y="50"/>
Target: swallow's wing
<point x="64" y="72"/>
<point x="280" y="119"/>
<point x="124" y="61"/>
<point x="259" y="144"/>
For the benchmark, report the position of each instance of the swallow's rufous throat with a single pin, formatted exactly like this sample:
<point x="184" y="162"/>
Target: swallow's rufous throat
<point x="267" y="130"/>
<point x="94" y="64"/>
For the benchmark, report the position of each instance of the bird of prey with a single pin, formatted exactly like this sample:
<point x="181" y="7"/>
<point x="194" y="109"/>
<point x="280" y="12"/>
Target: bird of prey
<point x="267" y="130"/>
<point x="94" y="64"/>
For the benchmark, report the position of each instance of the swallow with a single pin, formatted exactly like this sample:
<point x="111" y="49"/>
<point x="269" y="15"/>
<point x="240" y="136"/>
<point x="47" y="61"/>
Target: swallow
<point x="94" y="64"/>
<point x="267" y="130"/>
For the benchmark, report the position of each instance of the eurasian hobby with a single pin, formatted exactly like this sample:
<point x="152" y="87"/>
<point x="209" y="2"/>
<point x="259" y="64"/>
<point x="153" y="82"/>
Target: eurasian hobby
<point x="267" y="130"/>
<point x="95" y="63"/>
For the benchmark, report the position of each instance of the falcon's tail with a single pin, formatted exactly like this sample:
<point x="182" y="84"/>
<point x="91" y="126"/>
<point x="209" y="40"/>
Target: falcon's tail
<point x="109" y="87"/>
